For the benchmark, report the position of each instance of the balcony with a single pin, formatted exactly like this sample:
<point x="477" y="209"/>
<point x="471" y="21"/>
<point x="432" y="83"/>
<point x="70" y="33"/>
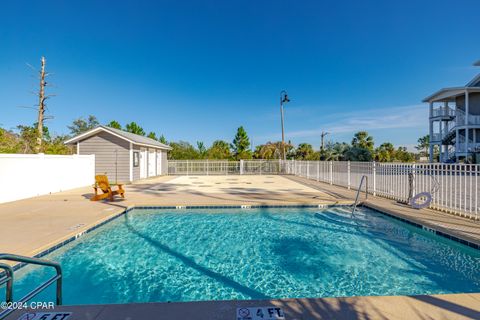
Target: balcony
<point x="461" y="119"/>
<point x="472" y="147"/>
<point x="436" y="137"/>
<point x="443" y="112"/>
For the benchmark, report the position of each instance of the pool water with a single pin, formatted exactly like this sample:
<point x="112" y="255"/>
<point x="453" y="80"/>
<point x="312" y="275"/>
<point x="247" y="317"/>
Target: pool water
<point x="221" y="254"/>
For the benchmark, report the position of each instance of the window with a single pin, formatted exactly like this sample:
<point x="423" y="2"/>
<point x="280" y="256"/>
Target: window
<point x="136" y="159"/>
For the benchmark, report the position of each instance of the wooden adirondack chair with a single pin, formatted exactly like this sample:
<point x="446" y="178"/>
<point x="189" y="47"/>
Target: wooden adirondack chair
<point x="101" y="182"/>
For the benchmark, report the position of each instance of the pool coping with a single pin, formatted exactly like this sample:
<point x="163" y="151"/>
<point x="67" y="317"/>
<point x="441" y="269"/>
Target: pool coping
<point x="435" y="229"/>
<point x="395" y="215"/>
<point x="443" y="306"/>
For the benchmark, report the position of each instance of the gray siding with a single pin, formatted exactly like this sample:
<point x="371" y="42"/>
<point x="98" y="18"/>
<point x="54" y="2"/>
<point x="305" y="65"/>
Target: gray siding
<point x="473" y="101"/>
<point x="104" y="145"/>
<point x="136" y="170"/>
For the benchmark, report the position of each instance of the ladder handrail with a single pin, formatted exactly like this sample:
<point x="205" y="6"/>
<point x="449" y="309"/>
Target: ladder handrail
<point x="364" y="178"/>
<point x="8" y="279"/>
<point x="36" y="261"/>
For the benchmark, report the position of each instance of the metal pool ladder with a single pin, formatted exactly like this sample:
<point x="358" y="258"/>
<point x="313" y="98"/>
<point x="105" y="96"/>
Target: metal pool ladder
<point x="364" y="178"/>
<point x="8" y="279"/>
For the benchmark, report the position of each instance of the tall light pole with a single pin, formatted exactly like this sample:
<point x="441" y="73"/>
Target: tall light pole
<point x="323" y="136"/>
<point x="283" y="100"/>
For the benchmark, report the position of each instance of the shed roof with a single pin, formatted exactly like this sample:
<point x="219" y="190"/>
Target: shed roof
<point x="128" y="136"/>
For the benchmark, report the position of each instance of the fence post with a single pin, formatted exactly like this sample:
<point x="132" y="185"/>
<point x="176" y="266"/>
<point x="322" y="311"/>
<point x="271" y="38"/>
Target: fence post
<point x="207" y="167"/>
<point x="348" y="175"/>
<point x="318" y="171"/>
<point x="414" y="176"/>
<point x="241" y="167"/>
<point x="308" y="170"/>
<point x="187" y="167"/>
<point x="374" y="178"/>
<point x="331" y="172"/>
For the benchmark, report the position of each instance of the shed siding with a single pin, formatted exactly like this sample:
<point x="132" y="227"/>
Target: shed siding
<point x="136" y="170"/>
<point x="103" y="145"/>
<point x="162" y="153"/>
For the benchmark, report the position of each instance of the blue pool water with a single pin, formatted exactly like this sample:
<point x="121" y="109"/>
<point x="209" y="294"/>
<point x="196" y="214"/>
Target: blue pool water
<point x="218" y="254"/>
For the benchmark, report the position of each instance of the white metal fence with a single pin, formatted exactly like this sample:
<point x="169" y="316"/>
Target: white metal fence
<point x="220" y="167"/>
<point x="454" y="187"/>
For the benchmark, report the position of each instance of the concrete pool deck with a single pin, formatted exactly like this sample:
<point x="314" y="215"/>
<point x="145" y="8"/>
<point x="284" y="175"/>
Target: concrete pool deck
<point x="438" y="307"/>
<point x="32" y="225"/>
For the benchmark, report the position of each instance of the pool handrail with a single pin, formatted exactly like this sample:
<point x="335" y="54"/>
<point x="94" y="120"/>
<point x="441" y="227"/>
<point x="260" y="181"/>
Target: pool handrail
<point x="8" y="279"/>
<point x="30" y="260"/>
<point x="364" y="178"/>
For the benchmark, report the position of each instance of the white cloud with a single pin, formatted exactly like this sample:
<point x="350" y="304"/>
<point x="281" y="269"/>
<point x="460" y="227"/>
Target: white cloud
<point x="414" y="116"/>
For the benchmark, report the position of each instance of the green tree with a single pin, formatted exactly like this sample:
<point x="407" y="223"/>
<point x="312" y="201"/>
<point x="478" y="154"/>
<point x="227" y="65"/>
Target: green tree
<point x="9" y="142"/>
<point x="28" y="139"/>
<point x="358" y="154"/>
<point x="81" y="125"/>
<point x="162" y="139"/>
<point x="152" y="135"/>
<point x="334" y="151"/>
<point x="56" y="145"/>
<point x="423" y="145"/>
<point x="385" y="153"/>
<point x="241" y="145"/>
<point x="133" y="127"/>
<point x="268" y="151"/>
<point x="202" y="151"/>
<point x="361" y="139"/>
<point x="46" y="132"/>
<point x="115" y="124"/>
<point x="362" y="147"/>
<point x="402" y="155"/>
<point x="219" y="150"/>
<point x="182" y="150"/>
<point x="304" y="151"/>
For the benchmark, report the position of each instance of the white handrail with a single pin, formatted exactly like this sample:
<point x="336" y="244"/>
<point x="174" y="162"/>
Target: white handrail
<point x="364" y="178"/>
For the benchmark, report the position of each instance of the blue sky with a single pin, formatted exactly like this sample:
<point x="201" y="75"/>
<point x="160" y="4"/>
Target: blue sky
<point x="196" y="70"/>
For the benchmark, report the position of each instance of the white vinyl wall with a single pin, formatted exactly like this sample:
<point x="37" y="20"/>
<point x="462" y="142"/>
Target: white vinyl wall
<point x="29" y="175"/>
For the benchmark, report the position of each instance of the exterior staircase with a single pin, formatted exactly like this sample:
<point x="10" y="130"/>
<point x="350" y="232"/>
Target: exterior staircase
<point x="449" y="138"/>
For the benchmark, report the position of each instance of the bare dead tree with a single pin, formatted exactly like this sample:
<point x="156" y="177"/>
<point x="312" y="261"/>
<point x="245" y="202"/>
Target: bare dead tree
<point x="42" y="97"/>
<point x="41" y="105"/>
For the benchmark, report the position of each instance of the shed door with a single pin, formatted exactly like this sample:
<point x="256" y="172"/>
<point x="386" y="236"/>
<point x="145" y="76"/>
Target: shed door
<point x="143" y="163"/>
<point x="152" y="163"/>
<point x="159" y="162"/>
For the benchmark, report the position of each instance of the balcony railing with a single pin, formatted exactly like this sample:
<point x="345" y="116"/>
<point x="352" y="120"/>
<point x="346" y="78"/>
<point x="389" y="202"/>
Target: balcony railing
<point x="461" y="118"/>
<point x="472" y="147"/>
<point x="443" y="112"/>
<point x="437" y="137"/>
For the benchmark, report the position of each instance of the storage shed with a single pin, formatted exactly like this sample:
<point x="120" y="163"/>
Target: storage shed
<point x="123" y="156"/>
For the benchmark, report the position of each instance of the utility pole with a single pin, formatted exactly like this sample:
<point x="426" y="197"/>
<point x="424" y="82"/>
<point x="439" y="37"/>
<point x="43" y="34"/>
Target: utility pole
<point x="41" y="105"/>
<point x="322" y="135"/>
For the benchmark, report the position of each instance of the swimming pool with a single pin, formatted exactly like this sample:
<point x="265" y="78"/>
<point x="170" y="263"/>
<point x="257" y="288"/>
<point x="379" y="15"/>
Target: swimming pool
<point x="157" y="255"/>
